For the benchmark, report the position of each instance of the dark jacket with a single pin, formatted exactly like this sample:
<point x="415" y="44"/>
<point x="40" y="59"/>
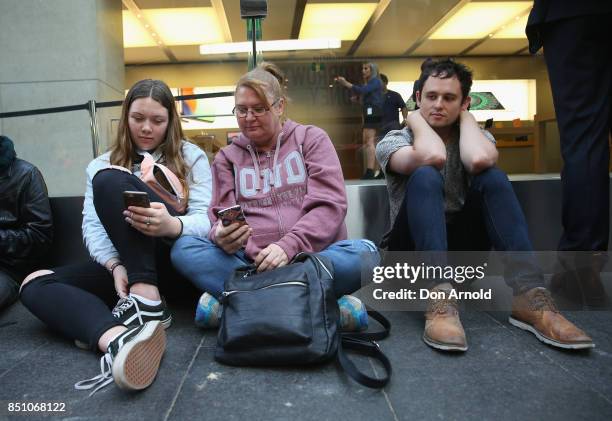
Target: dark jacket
<point x="26" y="228"/>
<point x="546" y="11"/>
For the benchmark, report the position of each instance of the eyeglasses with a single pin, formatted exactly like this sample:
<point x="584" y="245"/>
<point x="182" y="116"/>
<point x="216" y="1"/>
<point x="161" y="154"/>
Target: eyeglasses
<point x="241" y="112"/>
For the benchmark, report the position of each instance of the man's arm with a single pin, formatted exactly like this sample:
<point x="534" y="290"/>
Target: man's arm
<point x="477" y="152"/>
<point x="36" y="230"/>
<point x="427" y="149"/>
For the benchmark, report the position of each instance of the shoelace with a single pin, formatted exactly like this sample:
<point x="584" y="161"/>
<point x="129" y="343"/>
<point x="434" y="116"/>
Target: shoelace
<point x="125" y="304"/>
<point x="541" y="300"/>
<point x="441" y="306"/>
<point x="102" y="379"/>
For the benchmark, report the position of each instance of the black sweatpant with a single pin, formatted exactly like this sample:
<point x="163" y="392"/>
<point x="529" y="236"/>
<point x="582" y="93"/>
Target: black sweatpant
<point x="76" y="300"/>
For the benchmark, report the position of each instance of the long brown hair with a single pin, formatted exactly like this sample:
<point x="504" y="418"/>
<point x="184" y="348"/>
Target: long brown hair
<point x="123" y="151"/>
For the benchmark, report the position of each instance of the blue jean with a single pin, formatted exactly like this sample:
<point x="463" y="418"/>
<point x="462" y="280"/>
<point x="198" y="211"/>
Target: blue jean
<point x="491" y="216"/>
<point x="207" y="266"/>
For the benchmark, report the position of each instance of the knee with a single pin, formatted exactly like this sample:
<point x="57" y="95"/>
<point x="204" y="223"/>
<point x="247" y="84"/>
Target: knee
<point x="182" y="250"/>
<point x="365" y="247"/>
<point x="492" y="178"/>
<point x="109" y="180"/>
<point x="426" y="178"/>
<point x="33" y="276"/>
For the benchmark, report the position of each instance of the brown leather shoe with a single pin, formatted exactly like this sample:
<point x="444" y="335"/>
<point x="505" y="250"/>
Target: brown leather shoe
<point x="443" y="329"/>
<point x="535" y="311"/>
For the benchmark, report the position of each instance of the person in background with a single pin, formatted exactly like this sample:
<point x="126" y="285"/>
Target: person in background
<point x="393" y="102"/>
<point x="26" y="225"/>
<point x="372" y="106"/>
<point x="130" y="247"/>
<point x="576" y="39"/>
<point x="447" y="194"/>
<point x="288" y="181"/>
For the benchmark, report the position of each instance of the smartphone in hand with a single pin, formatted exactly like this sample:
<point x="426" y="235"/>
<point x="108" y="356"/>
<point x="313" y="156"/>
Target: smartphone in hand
<point x="136" y="198"/>
<point x="230" y="215"/>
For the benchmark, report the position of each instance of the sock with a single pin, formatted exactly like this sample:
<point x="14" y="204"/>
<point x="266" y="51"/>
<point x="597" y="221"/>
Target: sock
<point x="145" y="300"/>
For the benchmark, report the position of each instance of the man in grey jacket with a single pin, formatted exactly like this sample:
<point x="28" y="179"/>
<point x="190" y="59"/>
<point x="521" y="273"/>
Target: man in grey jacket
<point x="447" y="194"/>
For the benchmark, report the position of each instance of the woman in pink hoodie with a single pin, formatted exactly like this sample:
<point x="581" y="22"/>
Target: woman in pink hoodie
<point x="288" y="181"/>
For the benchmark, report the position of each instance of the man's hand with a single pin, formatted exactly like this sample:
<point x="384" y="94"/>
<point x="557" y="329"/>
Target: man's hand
<point x="427" y="148"/>
<point x="271" y="257"/>
<point x="233" y="237"/>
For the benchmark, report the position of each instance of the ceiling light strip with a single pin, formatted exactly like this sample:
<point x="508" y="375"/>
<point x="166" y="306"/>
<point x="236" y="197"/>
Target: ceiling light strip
<point x="140" y="16"/>
<point x="492" y="34"/>
<point x="277" y="45"/>
<point x="434" y="28"/>
<point x="217" y="6"/>
<point x="376" y="15"/>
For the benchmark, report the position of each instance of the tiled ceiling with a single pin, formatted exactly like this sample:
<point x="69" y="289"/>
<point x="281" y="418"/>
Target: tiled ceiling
<point x="396" y="28"/>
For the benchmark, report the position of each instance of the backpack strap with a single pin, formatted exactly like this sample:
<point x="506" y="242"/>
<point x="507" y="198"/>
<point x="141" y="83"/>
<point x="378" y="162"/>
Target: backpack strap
<point x="370" y="349"/>
<point x="364" y="343"/>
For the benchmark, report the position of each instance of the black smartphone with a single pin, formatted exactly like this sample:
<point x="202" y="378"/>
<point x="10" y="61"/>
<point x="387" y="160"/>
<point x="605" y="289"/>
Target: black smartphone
<point x="231" y="215"/>
<point x="136" y="198"/>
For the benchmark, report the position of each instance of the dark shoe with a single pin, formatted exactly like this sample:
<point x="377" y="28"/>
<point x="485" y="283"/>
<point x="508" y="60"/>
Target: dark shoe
<point x="368" y="175"/>
<point x="132" y="359"/>
<point x="535" y="311"/>
<point x="594" y="295"/>
<point x="581" y="286"/>
<point x="565" y="290"/>
<point x="130" y="311"/>
<point x="443" y="329"/>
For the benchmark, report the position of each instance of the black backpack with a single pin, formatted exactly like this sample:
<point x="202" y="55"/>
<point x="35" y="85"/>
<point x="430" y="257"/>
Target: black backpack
<point x="290" y="316"/>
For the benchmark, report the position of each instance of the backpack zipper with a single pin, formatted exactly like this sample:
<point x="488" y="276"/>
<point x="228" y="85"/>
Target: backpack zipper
<point x="226" y="294"/>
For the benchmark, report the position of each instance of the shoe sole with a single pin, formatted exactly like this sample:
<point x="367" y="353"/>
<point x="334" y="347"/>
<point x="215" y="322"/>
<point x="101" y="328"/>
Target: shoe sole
<point x="137" y="362"/>
<point x="546" y="339"/>
<point x="167" y="323"/>
<point x="444" y="347"/>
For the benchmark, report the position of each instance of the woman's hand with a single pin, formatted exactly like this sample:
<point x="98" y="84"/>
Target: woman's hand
<point x="233" y="237"/>
<point x="121" y="281"/>
<point x="342" y="81"/>
<point x="271" y="257"/>
<point x="154" y="221"/>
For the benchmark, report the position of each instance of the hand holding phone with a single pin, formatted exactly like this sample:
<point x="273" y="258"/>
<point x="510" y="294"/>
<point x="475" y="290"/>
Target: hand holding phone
<point x="136" y="198"/>
<point x="230" y="215"/>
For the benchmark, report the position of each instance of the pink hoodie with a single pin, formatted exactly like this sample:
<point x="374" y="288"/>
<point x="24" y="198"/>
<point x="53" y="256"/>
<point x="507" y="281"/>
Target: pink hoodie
<point x="298" y="201"/>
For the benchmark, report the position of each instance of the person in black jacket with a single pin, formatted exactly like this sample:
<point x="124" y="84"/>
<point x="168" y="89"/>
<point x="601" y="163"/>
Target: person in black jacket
<point x="26" y="228"/>
<point x="576" y="39"/>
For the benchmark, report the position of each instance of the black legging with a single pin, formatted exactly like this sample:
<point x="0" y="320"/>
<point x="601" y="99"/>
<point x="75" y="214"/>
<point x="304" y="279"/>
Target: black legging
<point x="75" y="300"/>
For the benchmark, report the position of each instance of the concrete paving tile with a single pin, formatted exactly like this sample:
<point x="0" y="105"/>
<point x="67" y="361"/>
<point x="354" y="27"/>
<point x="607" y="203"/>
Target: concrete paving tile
<point x="48" y="374"/>
<point x="309" y="393"/>
<point x="502" y="375"/>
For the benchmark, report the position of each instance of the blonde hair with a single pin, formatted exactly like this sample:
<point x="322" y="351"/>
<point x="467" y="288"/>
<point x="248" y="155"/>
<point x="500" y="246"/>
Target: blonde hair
<point x="373" y="69"/>
<point x="268" y="82"/>
<point x="122" y="149"/>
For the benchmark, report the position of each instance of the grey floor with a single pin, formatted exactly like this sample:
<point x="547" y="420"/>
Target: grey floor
<point x="506" y="375"/>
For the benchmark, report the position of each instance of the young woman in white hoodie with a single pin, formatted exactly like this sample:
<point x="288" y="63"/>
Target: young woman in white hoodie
<point x="126" y="245"/>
